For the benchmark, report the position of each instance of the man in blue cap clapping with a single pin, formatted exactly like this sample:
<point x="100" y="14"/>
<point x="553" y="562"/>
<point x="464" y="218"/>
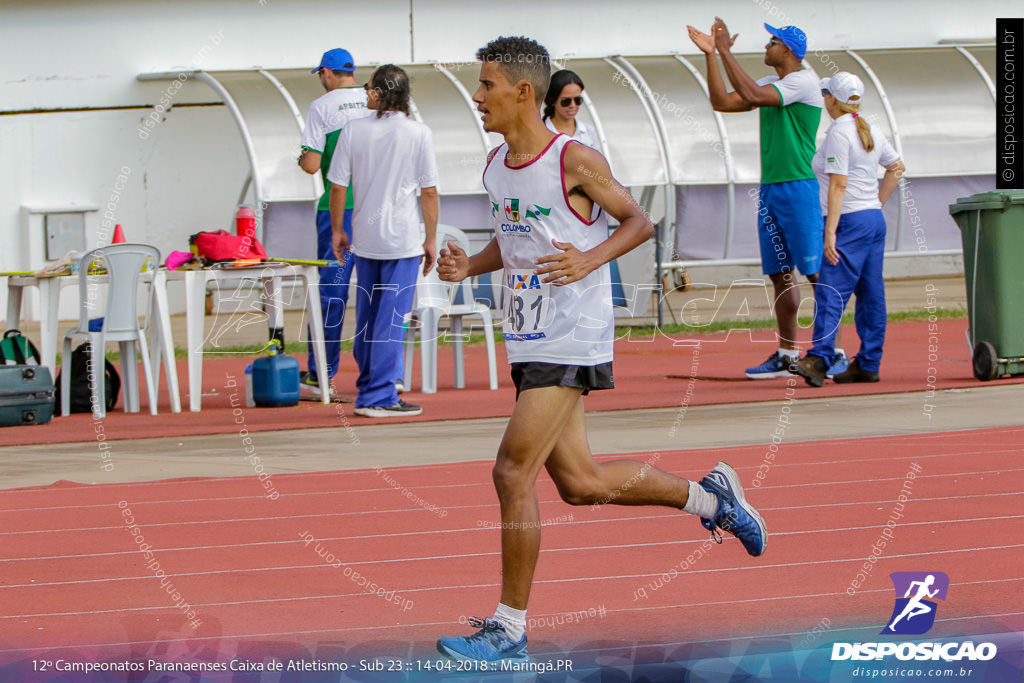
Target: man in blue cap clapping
<point x="790" y="226"/>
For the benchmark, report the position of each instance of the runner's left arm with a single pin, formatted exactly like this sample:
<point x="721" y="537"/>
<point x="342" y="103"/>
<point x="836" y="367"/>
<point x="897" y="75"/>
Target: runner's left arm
<point x="587" y="173"/>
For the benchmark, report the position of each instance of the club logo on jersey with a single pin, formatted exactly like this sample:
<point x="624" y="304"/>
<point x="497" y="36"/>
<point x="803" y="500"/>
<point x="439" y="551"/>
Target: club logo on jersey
<point x="514" y="214"/>
<point x="516" y="281"/>
<point x="915" y="608"/>
<point x="512" y="209"/>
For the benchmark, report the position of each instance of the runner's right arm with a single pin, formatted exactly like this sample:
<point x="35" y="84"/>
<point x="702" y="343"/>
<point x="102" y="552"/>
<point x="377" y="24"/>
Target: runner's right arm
<point x="454" y="265"/>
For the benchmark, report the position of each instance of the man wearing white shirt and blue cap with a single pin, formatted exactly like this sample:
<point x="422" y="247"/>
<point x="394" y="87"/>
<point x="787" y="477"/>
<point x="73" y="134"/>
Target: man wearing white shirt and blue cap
<point x="344" y="102"/>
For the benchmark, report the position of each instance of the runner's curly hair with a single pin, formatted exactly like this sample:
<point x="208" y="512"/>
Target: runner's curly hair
<point x="520" y="58"/>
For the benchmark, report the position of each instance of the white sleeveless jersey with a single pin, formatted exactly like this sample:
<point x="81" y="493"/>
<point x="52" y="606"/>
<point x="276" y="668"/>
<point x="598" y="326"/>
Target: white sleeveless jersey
<point x="568" y="325"/>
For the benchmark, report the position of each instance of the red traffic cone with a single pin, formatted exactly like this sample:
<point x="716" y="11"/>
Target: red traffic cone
<point x="118" y="235"/>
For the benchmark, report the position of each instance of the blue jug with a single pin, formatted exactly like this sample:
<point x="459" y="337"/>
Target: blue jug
<point x="275" y="379"/>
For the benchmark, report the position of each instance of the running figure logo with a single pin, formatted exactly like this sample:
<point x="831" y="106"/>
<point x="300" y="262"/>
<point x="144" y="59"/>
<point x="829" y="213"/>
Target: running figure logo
<point x="914" y="612"/>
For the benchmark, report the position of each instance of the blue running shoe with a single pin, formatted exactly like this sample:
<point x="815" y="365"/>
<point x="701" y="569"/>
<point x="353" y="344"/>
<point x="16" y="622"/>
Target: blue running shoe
<point x="777" y="365"/>
<point x="490" y="644"/>
<point x="735" y="514"/>
<point x="840" y="364"/>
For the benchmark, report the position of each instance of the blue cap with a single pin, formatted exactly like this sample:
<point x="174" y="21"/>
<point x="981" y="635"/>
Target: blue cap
<point x="337" y="59"/>
<point x="792" y="37"/>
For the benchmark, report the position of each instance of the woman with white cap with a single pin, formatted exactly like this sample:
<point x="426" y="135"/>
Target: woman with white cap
<point x="852" y="198"/>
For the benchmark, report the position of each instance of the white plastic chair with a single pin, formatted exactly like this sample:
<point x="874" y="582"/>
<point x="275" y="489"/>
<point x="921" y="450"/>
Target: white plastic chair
<point x="434" y="300"/>
<point x="124" y="263"/>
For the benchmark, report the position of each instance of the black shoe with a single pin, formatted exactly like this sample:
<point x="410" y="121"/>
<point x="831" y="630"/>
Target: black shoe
<point x="811" y="368"/>
<point x="397" y="410"/>
<point x="855" y="374"/>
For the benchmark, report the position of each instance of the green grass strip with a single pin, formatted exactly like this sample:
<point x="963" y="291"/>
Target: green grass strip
<point x="300" y="348"/>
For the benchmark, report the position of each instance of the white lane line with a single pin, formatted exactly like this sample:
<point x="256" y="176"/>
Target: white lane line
<point x="447" y="624"/>
<point x="408" y="468"/>
<point x="435" y="558"/>
<point x="489" y="506"/>
<point x="644" y="608"/>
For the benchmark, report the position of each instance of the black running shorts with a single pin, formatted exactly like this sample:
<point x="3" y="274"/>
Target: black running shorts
<point x="537" y="375"/>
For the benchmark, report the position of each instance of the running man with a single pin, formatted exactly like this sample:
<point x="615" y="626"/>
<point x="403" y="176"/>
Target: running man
<point x="916" y="607"/>
<point x="790" y="227"/>
<point x="549" y="196"/>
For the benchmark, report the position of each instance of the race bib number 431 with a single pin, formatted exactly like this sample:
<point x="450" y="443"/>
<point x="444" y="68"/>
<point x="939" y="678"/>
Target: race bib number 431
<point x="527" y="300"/>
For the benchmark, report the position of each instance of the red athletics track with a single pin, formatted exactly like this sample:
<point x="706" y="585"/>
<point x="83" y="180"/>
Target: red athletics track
<point x="72" y="576"/>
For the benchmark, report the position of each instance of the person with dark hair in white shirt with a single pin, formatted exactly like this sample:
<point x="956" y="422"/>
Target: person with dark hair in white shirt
<point x="561" y="105"/>
<point x="387" y="157"/>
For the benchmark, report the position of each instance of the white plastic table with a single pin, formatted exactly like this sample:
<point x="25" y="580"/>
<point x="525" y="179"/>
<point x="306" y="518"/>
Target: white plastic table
<point x="271" y="275"/>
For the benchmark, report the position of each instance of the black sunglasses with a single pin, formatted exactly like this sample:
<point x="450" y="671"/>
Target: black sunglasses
<point x="566" y="101"/>
<point x="825" y="92"/>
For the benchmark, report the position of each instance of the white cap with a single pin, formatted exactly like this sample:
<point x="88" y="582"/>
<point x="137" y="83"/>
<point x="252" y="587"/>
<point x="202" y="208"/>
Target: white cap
<point x="845" y="87"/>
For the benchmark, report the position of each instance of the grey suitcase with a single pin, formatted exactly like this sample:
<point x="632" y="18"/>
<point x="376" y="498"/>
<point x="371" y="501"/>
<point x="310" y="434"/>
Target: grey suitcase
<point x="26" y="395"/>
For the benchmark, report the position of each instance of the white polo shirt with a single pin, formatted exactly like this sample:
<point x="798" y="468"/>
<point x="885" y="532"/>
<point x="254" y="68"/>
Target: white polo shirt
<point x="328" y="115"/>
<point x="842" y="153"/>
<point x="387" y="159"/>
<point x="583" y="133"/>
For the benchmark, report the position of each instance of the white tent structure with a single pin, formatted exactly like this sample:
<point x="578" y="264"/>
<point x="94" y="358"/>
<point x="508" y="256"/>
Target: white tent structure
<point x="152" y="114"/>
<point x="695" y="170"/>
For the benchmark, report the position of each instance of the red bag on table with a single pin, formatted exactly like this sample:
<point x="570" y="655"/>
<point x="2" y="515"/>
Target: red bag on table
<point x="223" y="246"/>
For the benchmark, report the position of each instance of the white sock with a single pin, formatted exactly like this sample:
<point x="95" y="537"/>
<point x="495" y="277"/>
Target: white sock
<point x="839" y="352"/>
<point x="701" y="502"/>
<point x="794" y="354"/>
<point x="514" y="621"/>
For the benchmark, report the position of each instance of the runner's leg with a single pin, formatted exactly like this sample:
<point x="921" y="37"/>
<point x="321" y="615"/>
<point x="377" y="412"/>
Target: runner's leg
<point x="536" y="425"/>
<point x="581" y="481"/>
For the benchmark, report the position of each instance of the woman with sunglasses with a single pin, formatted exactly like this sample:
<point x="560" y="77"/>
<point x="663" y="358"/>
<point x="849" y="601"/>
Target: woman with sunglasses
<point x="562" y="104"/>
<point x="852" y="198"/>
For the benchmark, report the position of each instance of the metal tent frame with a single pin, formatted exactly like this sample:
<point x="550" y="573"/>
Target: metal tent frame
<point x="654" y="122"/>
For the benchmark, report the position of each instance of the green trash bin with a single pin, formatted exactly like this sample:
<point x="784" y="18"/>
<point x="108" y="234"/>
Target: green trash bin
<point x="992" y="228"/>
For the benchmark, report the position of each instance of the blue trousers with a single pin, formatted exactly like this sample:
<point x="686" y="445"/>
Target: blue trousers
<point x="333" y="292"/>
<point x="384" y="297"/>
<point x="860" y="241"/>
